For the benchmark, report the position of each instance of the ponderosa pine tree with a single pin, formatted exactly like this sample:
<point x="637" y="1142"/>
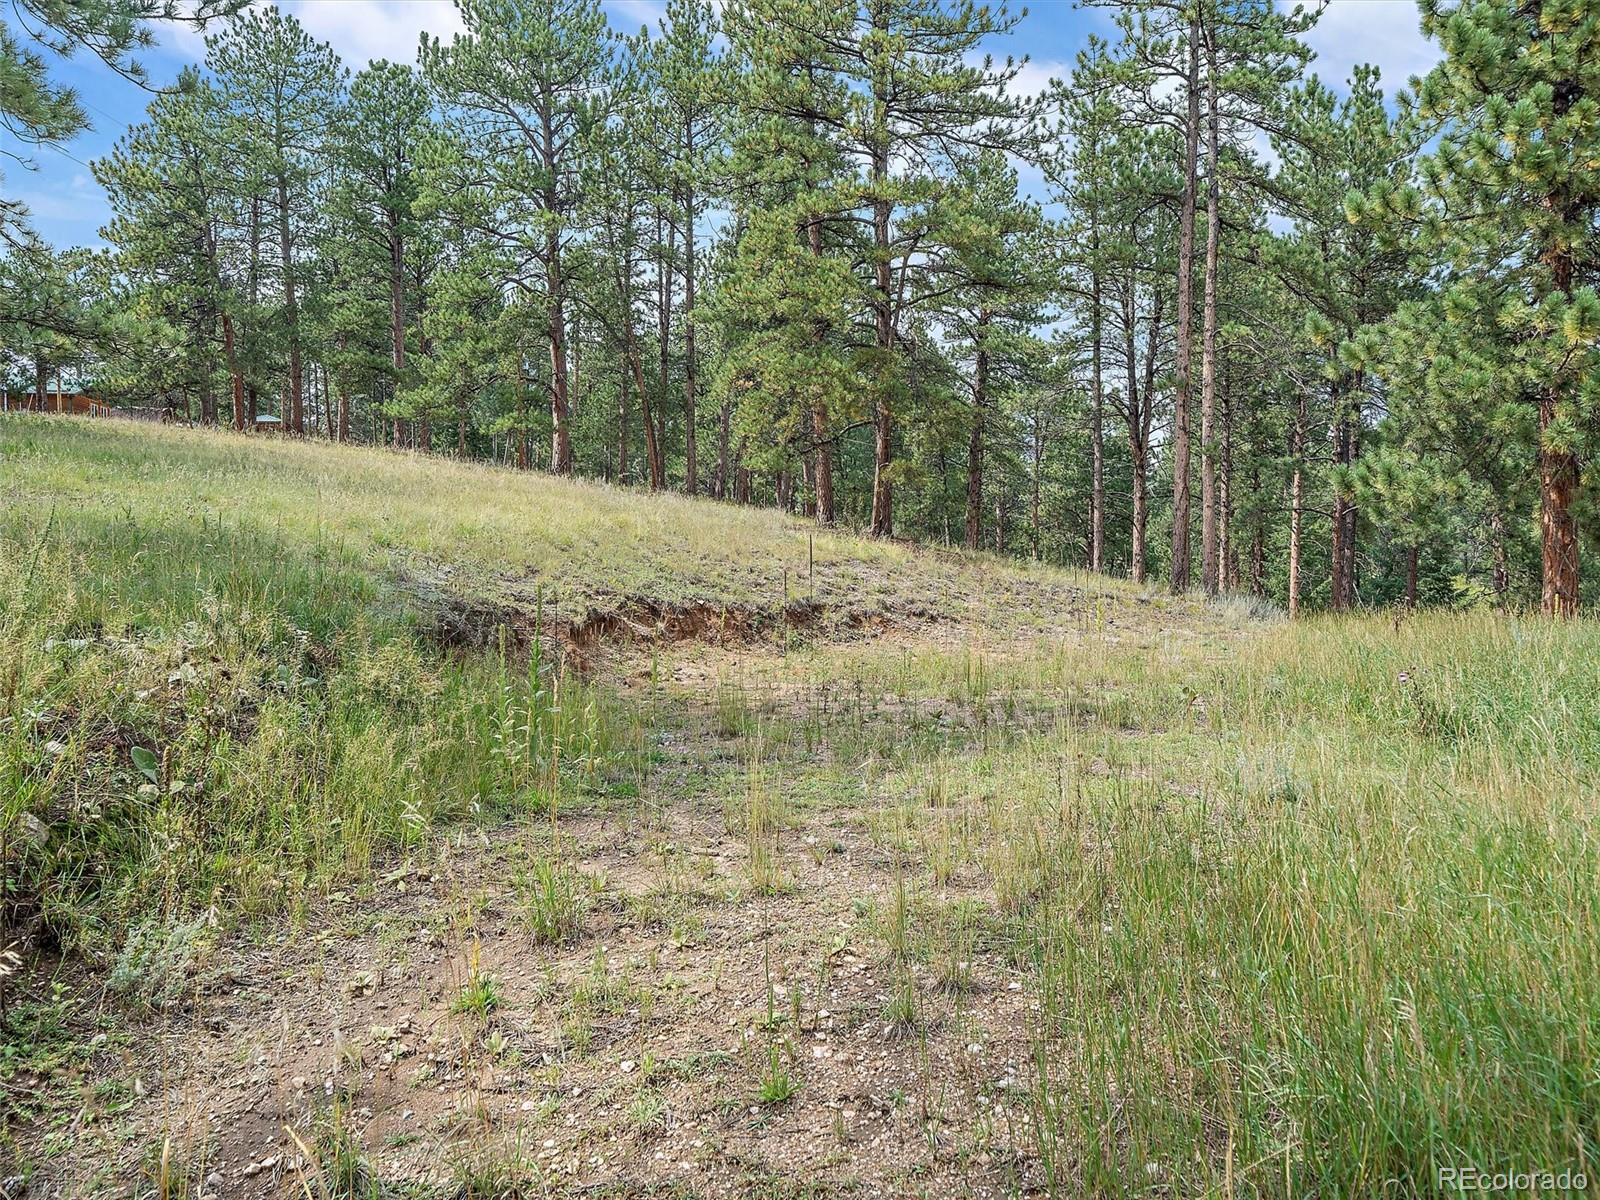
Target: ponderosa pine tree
<point x="35" y="109"/>
<point x="1078" y="173"/>
<point x="918" y="93"/>
<point x="1509" y="205"/>
<point x="1344" y="277"/>
<point x="521" y="86"/>
<point x="1251" y="52"/>
<point x="1158" y="65"/>
<point x="684" y="82"/>
<point x="617" y="216"/>
<point x="786" y="97"/>
<point x="376" y="138"/>
<point x="1412" y="496"/>
<point x="992" y="256"/>
<point x="280" y="88"/>
<point x="175" y="207"/>
<point x="1114" y="178"/>
<point x="465" y="354"/>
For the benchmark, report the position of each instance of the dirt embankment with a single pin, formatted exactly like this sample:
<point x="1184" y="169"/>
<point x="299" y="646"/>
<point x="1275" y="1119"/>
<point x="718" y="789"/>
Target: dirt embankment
<point x="468" y="622"/>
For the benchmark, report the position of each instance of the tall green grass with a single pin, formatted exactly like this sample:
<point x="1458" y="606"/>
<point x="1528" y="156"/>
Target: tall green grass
<point x="210" y="716"/>
<point x="1305" y="910"/>
<point x="1318" y="922"/>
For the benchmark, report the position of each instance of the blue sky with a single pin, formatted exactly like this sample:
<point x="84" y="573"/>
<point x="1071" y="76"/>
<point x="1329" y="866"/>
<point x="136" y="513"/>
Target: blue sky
<point x="69" y="207"/>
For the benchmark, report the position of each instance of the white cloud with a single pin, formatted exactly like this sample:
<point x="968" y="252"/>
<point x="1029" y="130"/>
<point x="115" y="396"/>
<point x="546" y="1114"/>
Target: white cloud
<point x="1384" y="33"/>
<point x="1034" y="76"/>
<point x="361" y="31"/>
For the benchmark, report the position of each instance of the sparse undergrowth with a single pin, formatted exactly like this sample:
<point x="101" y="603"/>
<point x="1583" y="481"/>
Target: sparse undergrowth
<point x="1173" y="901"/>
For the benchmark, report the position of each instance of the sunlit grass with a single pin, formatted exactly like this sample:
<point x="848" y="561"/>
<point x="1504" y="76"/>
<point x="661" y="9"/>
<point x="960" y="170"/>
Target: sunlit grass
<point x="1316" y="920"/>
<point x="1298" y="909"/>
<point x="585" y="542"/>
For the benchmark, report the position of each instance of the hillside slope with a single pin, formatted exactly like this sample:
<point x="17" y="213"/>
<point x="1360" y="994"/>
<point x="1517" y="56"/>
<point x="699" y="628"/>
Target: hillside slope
<point x="967" y="878"/>
<point x="482" y="535"/>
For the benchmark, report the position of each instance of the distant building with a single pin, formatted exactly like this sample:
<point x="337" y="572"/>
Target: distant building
<point x="267" y="423"/>
<point x="82" y="404"/>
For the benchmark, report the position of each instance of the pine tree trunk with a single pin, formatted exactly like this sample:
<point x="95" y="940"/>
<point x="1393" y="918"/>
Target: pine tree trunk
<point x="208" y="392"/>
<point x="555" y="295"/>
<point x="1141" y="513"/>
<point x="397" y="321"/>
<point x="663" y="337"/>
<point x="1297" y="452"/>
<point x="882" y="522"/>
<point x="1097" y="446"/>
<point x="1258" y="558"/>
<point x="622" y="429"/>
<point x="230" y="352"/>
<point x="1227" y="552"/>
<point x="1210" y="546"/>
<point x="253" y="286"/>
<point x="1558" y="524"/>
<point x="1558" y="481"/>
<point x="1180" y="425"/>
<point x="425" y="429"/>
<point x="1346" y="449"/>
<point x="652" y="446"/>
<point x="555" y="332"/>
<point x="291" y="312"/>
<point x="1138" y="418"/>
<point x="980" y="403"/>
<point x="808" y="495"/>
<point x="1035" y="497"/>
<point x="1413" y="552"/>
<point x="691" y="463"/>
<point x="1497" y="548"/>
<point x="819" y="409"/>
<point x="524" y="458"/>
<point x="724" y="422"/>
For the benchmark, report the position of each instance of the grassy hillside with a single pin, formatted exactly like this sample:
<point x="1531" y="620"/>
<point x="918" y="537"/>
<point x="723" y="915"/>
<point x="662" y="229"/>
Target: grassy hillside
<point x="477" y="529"/>
<point x="1031" y="885"/>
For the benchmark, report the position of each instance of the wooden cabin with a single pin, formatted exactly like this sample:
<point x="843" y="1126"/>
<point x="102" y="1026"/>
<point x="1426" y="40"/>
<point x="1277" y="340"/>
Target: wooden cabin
<point x="82" y="404"/>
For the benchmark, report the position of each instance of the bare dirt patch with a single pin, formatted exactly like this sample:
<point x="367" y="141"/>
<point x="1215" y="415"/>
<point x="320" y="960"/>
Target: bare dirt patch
<point x="473" y="622"/>
<point x="633" y="1058"/>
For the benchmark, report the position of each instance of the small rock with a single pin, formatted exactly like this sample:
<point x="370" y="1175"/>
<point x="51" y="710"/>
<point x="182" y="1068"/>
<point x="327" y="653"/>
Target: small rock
<point x="256" y="1168"/>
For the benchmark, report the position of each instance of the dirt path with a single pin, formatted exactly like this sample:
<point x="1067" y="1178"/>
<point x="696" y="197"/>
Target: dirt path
<point x="422" y="1030"/>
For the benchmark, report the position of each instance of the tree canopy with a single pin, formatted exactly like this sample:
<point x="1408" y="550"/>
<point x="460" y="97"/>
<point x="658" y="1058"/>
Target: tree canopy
<point x="829" y="255"/>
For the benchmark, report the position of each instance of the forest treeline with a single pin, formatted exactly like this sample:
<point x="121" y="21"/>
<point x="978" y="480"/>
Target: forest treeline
<point x="1189" y="313"/>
